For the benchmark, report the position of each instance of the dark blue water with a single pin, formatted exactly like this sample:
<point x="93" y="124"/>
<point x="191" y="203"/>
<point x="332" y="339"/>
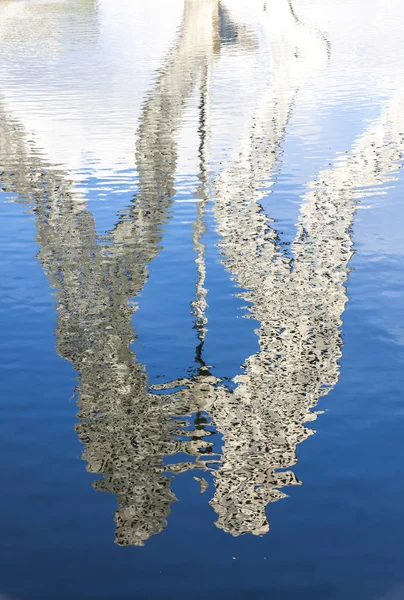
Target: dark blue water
<point x="201" y="300"/>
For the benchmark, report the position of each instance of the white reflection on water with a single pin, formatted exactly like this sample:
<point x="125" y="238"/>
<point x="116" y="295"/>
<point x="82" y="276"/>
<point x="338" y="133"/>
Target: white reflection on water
<point x="78" y="114"/>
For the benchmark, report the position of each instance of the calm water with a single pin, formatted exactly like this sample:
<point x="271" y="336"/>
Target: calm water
<point x="202" y="211"/>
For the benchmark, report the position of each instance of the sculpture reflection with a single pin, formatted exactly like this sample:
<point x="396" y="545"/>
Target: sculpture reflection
<point x="128" y="429"/>
<point x="299" y="303"/>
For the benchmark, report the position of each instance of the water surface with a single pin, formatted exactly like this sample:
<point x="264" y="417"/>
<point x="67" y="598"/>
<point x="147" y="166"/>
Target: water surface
<point x="201" y="274"/>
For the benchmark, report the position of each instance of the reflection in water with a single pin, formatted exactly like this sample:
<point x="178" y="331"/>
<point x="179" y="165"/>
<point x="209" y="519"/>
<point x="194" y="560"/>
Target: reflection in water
<point x="255" y="444"/>
<point x="127" y="428"/>
<point x="299" y="303"/>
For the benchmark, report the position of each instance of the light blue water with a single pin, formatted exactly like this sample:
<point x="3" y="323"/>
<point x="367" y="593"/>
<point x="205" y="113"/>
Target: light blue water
<point x="201" y="311"/>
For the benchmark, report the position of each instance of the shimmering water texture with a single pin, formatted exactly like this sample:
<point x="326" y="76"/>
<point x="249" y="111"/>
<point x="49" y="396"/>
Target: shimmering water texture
<point x="188" y="179"/>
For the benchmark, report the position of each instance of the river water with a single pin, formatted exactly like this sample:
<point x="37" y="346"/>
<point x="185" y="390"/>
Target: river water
<point x="201" y="207"/>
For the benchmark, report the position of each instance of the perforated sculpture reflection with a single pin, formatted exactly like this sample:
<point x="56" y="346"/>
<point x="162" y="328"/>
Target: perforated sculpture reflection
<point x="125" y="429"/>
<point x="128" y="429"/>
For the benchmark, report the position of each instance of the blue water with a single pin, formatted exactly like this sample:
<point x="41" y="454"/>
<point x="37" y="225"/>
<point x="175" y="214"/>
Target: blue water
<point x="201" y="252"/>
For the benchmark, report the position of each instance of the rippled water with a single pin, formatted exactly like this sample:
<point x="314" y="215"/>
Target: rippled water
<point x="201" y="269"/>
